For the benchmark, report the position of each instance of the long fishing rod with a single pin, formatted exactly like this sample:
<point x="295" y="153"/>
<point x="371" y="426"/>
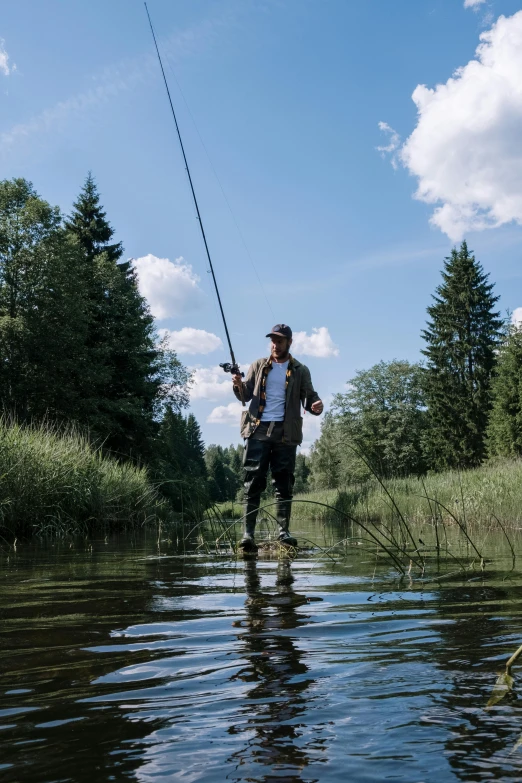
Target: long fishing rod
<point x="231" y="367"/>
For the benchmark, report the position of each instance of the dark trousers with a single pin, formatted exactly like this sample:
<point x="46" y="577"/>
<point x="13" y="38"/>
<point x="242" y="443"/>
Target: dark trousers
<point x="265" y="449"/>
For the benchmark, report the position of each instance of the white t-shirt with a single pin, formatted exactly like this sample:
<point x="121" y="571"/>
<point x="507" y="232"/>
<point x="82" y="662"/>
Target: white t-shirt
<point x="275" y="393"/>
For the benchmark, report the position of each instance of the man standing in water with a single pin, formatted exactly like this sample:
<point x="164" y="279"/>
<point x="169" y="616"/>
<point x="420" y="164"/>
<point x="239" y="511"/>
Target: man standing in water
<point x="273" y="429"/>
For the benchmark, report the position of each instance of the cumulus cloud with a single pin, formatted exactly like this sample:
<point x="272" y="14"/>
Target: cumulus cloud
<point x="189" y="340"/>
<point x="226" y="414"/>
<point x="210" y="383"/>
<point x="516" y="316"/>
<point x="5" y="68"/>
<point x="473" y="4"/>
<point x="311" y="431"/>
<point x="466" y="149"/>
<point x="170" y="287"/>
<point x="318" y="344"/>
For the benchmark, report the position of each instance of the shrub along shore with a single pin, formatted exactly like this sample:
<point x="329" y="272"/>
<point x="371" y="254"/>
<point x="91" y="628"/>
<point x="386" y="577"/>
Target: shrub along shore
<point x="56" y="482"/>
<point x="487" y="495"/>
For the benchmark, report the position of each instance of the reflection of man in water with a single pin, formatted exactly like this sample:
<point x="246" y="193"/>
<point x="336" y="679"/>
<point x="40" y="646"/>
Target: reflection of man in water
<point x="275" y="669"/>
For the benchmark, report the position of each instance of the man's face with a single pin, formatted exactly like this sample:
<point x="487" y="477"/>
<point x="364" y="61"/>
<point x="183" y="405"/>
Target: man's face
<point x="280" y="347"/>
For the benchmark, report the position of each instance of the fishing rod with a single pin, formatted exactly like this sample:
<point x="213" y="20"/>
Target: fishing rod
<point x="231" y="367"/>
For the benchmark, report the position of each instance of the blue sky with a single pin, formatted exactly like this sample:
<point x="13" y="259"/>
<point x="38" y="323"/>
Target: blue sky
<point x="283" y="102"/>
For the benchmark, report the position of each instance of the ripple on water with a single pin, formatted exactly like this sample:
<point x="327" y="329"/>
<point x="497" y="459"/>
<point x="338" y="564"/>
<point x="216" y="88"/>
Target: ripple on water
<point x="211" y="670"/>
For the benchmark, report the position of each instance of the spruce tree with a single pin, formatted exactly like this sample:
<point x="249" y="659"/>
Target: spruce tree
<point x="461" y="338"/>
<point x="504" y="433"/>
<point x="125" y="371"/>
<point x="170" y="465"/>
<point x="195" y="448"/>
<point x="88" y="222"/>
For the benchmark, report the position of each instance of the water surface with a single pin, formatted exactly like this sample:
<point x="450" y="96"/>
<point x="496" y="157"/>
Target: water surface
<point x="124" y="660"/>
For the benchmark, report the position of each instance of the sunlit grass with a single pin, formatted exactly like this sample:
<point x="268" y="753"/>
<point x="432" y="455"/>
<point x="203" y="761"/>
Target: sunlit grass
<point x="389" y="515"/>
<point x="486" y="495"/>
<point x="55" y="481"/>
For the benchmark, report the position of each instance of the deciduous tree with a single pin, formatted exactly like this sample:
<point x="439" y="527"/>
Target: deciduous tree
<point x="504" y="432"/>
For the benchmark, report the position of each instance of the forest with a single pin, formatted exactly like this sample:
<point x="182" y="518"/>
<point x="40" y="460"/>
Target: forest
<point x="84" y="372"/>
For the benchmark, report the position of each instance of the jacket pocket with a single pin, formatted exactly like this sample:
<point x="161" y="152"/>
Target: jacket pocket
<point x="297" y="429"/>
<point x="246" y="419"/>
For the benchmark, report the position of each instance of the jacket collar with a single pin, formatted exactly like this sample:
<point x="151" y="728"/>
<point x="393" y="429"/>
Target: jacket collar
<point x="292" y="362"/>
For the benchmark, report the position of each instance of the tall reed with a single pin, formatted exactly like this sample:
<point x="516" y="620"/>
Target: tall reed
<point x="54" y="481"/>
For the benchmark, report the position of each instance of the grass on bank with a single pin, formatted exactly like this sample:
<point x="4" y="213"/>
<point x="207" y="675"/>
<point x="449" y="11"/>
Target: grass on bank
<point x="57" y="482"/>
<point x="480" y="496"/>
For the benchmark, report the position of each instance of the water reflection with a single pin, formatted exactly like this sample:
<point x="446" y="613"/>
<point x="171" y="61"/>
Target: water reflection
<point x="120" y="664"/>
<point x="277" y="671"/>
<point x="480" y="741"/>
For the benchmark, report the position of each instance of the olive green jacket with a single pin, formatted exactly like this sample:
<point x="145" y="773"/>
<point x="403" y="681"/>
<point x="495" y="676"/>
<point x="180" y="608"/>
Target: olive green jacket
<point x="299" y="391"/>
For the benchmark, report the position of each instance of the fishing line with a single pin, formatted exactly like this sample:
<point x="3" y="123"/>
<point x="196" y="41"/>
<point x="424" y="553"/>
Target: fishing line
<point x="241" y="236"/>
<point x="233" y="367"/>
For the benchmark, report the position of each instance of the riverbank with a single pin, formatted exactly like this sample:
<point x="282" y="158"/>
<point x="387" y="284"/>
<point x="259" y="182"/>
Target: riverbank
<point x="54" y="482"/>
<point x="485" y="496"/>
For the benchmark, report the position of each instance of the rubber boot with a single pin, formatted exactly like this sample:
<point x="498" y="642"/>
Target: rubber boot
<point x="283" y="510"/>
<point x="247" y="543"/>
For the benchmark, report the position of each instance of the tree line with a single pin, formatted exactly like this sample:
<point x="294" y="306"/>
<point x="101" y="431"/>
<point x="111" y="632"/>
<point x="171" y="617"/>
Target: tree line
<point x="460" y="406"/>
<point x="78" y="344"/>
<point x="457" y="408"/>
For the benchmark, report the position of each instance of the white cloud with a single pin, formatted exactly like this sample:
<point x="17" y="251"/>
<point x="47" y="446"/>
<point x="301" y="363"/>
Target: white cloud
<point x="466" y="150"/>
<point x="5" y="68"/>
<point x="210" y="383"/>
<point x="189" y="340"/>
<point x="311" y="431"/>
<point x="516" y="316"/>
<point x="318" y="344"/>
<point x="393" y="146"/>
<point x="226" y="414"/>
<point x="473" y="4"/>
<point x="170" y="287"/>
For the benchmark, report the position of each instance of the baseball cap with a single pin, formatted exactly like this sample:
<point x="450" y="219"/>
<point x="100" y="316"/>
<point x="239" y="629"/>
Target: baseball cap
<point x="281" y="330"/>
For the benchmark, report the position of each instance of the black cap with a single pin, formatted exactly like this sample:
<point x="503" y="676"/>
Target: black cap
<point x="281" y="330"/>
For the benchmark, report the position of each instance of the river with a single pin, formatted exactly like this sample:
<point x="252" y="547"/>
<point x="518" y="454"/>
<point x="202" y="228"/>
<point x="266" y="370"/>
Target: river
<point x="124" y="659"/>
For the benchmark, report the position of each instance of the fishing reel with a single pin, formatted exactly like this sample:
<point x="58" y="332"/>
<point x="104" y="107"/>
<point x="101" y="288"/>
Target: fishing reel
<point x="233" y="369"/>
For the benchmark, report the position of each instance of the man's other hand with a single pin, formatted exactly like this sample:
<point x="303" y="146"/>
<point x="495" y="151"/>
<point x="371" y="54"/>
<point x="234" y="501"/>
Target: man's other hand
<point x="237" y="380"/>
<point x="317" y="406"/>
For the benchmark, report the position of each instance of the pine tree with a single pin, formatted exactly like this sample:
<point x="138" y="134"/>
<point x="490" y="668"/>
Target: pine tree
<point x="126" y="372"/>
<point x="195" y="448"/>
<point x="461" y="339"/>
<point x="504" y="433"/>
<point x="88" y="222"/>
<point x="170" y="465"/>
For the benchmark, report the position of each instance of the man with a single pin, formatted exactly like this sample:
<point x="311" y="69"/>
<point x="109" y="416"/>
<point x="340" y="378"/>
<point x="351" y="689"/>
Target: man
<point x="273" y="429"/>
